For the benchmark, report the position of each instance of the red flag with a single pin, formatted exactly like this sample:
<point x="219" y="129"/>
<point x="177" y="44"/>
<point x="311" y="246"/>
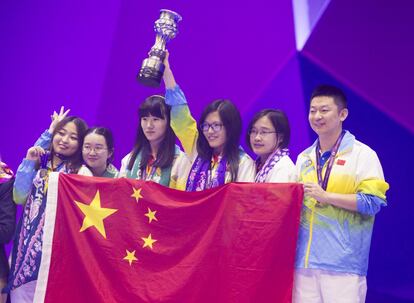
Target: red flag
<point x="122" y="240"/>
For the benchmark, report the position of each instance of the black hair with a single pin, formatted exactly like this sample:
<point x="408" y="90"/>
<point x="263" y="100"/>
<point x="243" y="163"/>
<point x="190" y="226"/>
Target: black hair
<point x="230" y="117"/>
<point x="334" y="92"/>
<point x="109" y="139"/>
<point x="74" y="161"/>
<point x="155" y="106"/>
<point x="280" y="123"/>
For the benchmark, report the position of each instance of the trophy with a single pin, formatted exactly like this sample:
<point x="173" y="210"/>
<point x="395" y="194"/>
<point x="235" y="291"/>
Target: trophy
<point x="153" y="67"/>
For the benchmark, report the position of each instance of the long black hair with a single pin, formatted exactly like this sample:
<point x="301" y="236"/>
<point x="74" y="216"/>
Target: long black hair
<point x="155" y="106"/>
<point x="231" y="119"/>
<point x="74" y="161"/>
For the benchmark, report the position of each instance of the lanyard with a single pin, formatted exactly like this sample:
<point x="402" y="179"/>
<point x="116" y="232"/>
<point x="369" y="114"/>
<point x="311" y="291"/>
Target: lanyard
<point x="149" y="172"/>
<point x="213" y="164"/>
<point x="324" y="182"/>
<point x="44" y="159"/>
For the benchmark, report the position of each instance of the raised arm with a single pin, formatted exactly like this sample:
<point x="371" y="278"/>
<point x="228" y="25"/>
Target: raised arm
<point x="182" y="122"/>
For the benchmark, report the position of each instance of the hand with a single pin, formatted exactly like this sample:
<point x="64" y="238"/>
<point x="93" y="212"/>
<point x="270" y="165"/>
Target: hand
<point x="34" y="153"/>
<point x="316" y="192"/>
<point x="57" y="117"/>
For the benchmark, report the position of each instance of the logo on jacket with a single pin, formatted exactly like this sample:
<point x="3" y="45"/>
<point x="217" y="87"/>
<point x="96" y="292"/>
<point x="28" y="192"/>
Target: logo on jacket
<point x="340" y="162"/>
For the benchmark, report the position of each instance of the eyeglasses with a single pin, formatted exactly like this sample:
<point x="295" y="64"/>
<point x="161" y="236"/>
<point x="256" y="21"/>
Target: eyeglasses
<point x="262" y="133"/>
<point x="97" y="149"/>
<point x="216" y="127"/>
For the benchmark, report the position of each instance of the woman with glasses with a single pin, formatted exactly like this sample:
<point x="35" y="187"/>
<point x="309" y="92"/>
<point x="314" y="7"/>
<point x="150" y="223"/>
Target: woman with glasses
<point x="212" y="145"/>
<point x="155" y="156"/>
<point x="98" y="153"/>
<point x="268" y="137"/>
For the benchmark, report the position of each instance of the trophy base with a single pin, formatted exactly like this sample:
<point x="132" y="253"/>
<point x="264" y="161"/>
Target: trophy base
<point x="150" y="77"/>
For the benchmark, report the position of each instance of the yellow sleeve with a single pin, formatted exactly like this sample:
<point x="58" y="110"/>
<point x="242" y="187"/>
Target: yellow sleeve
<point x="182" y="122"/>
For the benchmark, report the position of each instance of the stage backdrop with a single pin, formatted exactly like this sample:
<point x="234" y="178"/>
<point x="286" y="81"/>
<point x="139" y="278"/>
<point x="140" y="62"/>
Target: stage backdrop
<point x="264" y="53"/>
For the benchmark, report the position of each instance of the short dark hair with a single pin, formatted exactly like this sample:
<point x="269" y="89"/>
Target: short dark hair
<point x="231" y="119"/>
<point x="155" y="106"/>
<point x="326" y="90"/>
<point x="74" y="161"/>
<point x="109" y="139"/>
<point x="280" y="123"/>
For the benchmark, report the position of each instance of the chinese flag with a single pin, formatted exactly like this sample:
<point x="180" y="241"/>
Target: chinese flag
<point x="122" y="240"/>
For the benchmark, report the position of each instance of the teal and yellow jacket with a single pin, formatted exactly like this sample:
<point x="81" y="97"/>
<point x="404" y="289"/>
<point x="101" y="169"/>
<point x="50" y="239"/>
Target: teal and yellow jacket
<point x="332" y="238"/>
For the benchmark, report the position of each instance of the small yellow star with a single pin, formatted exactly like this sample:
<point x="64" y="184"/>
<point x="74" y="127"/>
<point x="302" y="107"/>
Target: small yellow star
<point x="148" y="241"/>
<point x="130" y="257"/>
<point x="151" y="215"/>
<point x="95" y="214"/>
<point x="137" y="193"/>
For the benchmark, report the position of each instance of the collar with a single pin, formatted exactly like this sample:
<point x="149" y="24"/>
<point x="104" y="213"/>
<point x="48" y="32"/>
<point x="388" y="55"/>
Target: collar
<point x="346" y="146"/>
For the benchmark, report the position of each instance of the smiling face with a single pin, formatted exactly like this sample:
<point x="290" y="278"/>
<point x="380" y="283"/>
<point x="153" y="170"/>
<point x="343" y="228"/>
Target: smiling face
<point x="215" y="133"/>
<point x="263" y="137"/>
<point x="65" y="142"/>
<point x="95" y="152"/>
<point x="154" y="129"/>
<point x="325" y="117"/>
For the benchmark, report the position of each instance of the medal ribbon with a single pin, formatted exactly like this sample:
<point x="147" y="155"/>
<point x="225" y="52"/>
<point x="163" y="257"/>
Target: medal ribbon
<point x="324" y="182"/>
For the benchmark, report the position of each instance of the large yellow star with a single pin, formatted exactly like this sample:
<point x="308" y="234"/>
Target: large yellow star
<point x="148" y="241"/>
<point x="95" y="214"/>
<point x="136" y="194"/>
<point x="151" y="215"/>
<point x="130" y="257"/>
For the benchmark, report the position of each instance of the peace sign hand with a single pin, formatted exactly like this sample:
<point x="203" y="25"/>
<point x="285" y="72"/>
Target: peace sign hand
<point x="57" y="117"/>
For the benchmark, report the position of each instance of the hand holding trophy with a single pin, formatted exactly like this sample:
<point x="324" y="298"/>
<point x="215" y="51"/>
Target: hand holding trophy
<point x="153" y="67"/>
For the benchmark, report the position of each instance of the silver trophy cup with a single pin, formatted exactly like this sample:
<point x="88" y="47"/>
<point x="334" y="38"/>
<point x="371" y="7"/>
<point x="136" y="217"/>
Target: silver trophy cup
<point x="153" y="67"/>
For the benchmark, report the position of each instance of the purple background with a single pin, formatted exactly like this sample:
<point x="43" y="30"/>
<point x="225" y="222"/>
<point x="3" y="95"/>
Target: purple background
<point x="85" y="55"/>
